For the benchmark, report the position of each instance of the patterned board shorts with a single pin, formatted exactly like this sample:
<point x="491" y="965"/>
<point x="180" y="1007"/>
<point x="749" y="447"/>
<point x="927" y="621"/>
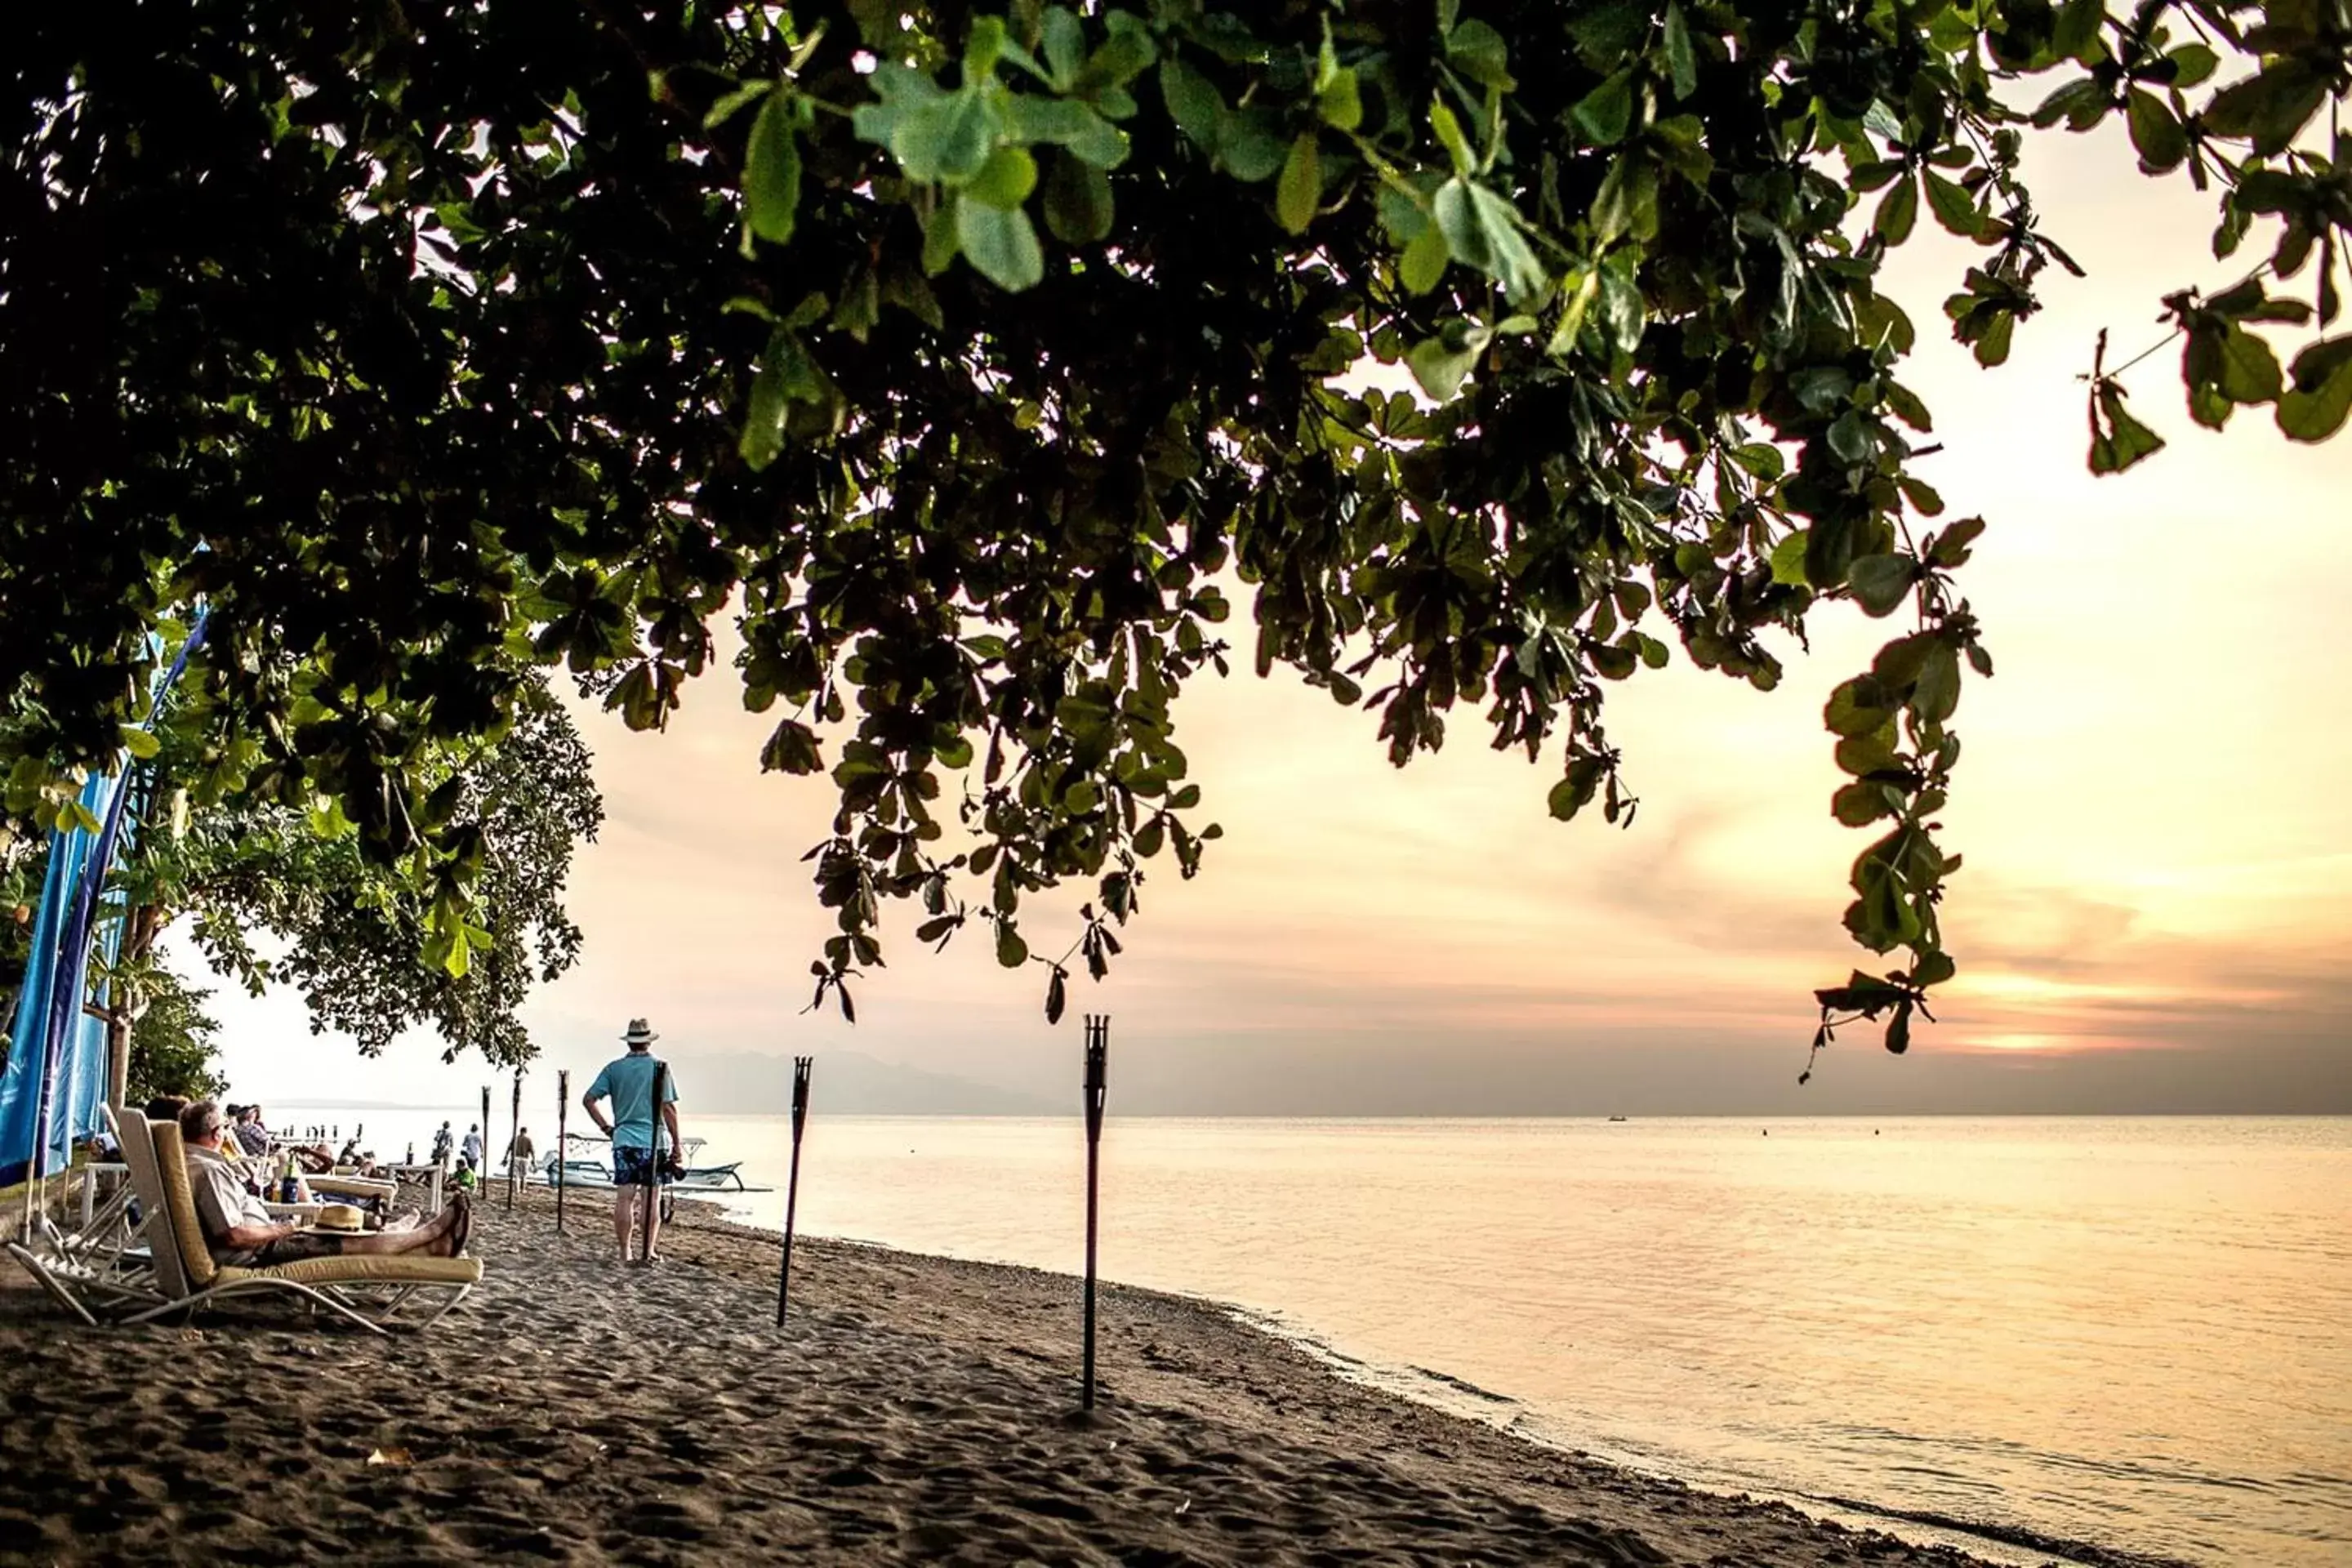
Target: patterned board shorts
<point x="634" y="1168"/>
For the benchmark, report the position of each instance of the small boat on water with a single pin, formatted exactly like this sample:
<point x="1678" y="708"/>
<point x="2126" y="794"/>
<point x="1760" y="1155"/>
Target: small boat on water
<point x="586" y="1161"/>
<point x="1616" y="1119"/>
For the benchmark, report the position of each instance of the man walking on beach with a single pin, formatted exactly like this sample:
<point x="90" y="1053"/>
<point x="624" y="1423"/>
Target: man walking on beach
<point x="629" y="1082"/>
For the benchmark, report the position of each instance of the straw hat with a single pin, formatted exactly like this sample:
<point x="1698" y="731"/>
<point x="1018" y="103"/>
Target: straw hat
<point x="340" y="1219"/>
<point x="640" y="1032"/>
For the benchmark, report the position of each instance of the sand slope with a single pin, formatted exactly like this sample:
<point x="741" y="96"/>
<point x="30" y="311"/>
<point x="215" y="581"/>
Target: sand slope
<point x="915" y="1410"/>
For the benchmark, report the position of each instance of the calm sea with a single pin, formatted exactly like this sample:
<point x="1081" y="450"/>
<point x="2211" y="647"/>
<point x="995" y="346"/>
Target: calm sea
<point x="2131" y="1332"/>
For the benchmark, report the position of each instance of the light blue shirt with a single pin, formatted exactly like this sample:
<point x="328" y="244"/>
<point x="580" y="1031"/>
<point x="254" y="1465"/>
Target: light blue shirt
<point x="628" y="1081"/>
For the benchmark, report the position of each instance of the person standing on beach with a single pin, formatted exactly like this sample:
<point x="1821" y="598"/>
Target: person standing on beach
<point x="441" y="1141"/>
<point x="471" y="1149"/>
<point x="629" y="1082"/>
<point x="520" y="1152"/>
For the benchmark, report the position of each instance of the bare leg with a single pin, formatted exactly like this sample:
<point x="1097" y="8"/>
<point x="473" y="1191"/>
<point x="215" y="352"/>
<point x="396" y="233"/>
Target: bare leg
<point x="444" y="1236"/>
<point x="652" y="1201"/>
<point x="624" y="1201"/>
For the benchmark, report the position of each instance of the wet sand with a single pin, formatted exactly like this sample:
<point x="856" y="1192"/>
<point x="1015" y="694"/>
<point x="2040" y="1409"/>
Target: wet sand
<point x="914" y="1410"/>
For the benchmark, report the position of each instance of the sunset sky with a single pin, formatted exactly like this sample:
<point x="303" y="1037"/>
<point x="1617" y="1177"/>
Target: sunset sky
<point x="2153" y="805"/>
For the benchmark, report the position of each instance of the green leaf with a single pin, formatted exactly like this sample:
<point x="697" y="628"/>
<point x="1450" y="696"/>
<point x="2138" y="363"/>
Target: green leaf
<point x="2315" y="414"/>
<point x="2250" y="370"/>
<point x="762" y="440"/>
<point x="1627" y="202"/>
<point x="772" y="172"/>
<point x="1249" y="151"/>
<point x="1898" y="213"/>
<point x="1953" y="206"/>
<point x="1010" y="950"/>
<point x="1682" y="62"/>
<point x="1573" y="792"/>
<point x="1064" y="43"/>
<point x="1992" y="347"/>
<point x="2117" y="440"/>
<point x="1857" y="707"/>
<point x="1340" y="100"/>
<point x="1606" y="113"/>
<point x="1849" y="436"/>
<point x="982" y="49"/>
<point x="1064" y="123"/>
<point x="1440" y="364"/>
<point x="1193" y="102"/>
<point x="1872" y="751"/>
<point x="1789" y="560"/>
<point x="1124" y="56"/>
<point x="1881" y="583"/>
<point x="1424" y="260"/>
<point x="2270" y="109"/>
<point x="1860" y="804"/>
<point x="2192" y="64"/>
<point x="1939" y="692"/>
<point x="1078" y="208"/>
<point x="1482" y="231"/>
<point x="1478" y="52"/>
<point x="2162" y="145"/>
<point x="728" y="103"/>
<point x="140" y="743"/>
<point x="1301" y="185"/>
<point x="791" y="748"/>
<point x="1010" y="175"/>
<point x="1449" y="132"/>
<point x="1951" y="546"/>
<point x="1002" y="244"/>
<point x="948" y="140"/>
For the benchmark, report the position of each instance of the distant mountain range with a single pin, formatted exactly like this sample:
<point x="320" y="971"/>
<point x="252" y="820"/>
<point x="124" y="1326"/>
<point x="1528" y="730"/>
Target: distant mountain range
<point x="843" y="1083"/>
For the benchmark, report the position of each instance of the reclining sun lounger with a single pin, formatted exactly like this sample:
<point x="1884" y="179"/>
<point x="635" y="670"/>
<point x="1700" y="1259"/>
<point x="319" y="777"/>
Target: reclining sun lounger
<point x="98" y="1270"/>
<point x="369" y="1291"/>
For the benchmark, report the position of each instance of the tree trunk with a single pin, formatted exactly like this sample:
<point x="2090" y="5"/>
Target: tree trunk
<point x="140" y="927"/>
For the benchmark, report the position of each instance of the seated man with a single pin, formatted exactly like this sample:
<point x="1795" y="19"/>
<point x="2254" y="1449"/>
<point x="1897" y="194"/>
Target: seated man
<point x="240" y="1231"/>
<point x="245" y="1126"/>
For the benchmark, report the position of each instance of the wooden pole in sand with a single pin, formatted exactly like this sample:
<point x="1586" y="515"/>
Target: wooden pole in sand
<point x="514" y="1136"/>
<point x="801" y="1066"/>
<point x="1098" y="1051"/>
<point x="482" y="1165"/>
<point x="562" y="1111"/>
<point x="653" y="1188"/>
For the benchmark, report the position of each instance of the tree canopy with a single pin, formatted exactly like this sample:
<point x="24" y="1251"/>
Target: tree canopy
<point x="272" y="893"/>
<point x="967" y="358"/>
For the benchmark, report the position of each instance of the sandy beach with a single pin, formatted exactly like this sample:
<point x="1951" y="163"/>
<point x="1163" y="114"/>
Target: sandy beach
<point x="917" y="1409"/>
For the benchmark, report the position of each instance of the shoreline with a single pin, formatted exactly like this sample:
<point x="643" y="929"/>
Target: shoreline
<point x="1457" y="1399"/>
<point x="914" y="1408"/>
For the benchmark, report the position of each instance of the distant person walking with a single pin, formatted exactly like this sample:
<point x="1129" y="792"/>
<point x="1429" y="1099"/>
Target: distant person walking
<point x="520" y="1155"/>
<point x="629" y="1082"/>
<point x="472" y="1147"/>
<point x="442" y="1141"/>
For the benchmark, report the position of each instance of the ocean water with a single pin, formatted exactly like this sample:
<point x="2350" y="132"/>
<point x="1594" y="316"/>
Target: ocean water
<point x="2133" y="1333"/>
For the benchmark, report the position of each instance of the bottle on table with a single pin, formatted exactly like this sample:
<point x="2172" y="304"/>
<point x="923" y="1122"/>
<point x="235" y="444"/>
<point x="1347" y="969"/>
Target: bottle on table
<point x="290" y="1182"/>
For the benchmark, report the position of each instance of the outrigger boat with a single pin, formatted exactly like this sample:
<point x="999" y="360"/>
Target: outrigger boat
<point x="586" y="1161"/>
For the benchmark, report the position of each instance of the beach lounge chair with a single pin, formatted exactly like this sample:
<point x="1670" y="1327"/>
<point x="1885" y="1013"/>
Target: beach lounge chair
<point x="368" y="1291"/>
<point x="99" y="1269"/>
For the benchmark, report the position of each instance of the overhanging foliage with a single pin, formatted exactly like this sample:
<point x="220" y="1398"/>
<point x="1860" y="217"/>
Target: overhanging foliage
<point x="434" y="338"/>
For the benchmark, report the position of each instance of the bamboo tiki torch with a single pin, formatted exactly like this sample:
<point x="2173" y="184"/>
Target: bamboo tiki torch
<point x="801" y="1066"/>
<point x="563" y="1111"/>
<point x="482" y="1170"/>
<point x="653" y="1188"/>
<point x="514" y="1137"/>
<point x="1098" y="1050"/>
